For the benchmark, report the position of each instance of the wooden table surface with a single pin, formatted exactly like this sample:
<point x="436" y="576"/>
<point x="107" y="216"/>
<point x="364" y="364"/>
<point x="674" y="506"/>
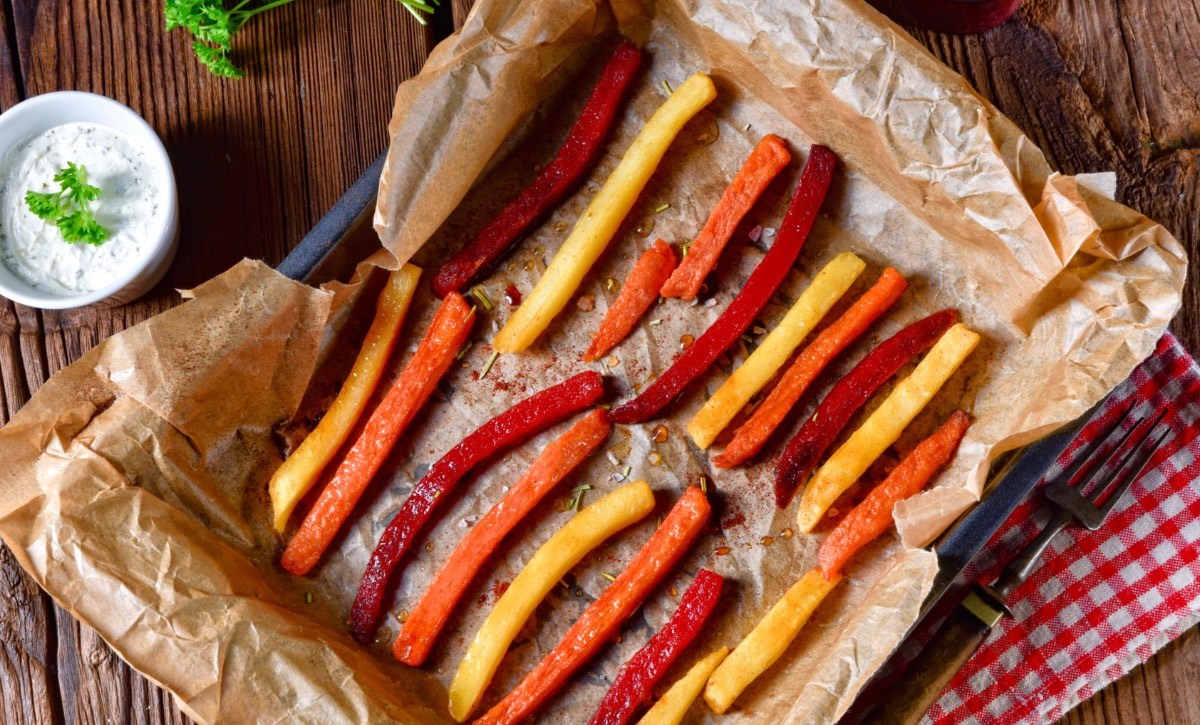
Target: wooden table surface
<point x="1098" y="84"/>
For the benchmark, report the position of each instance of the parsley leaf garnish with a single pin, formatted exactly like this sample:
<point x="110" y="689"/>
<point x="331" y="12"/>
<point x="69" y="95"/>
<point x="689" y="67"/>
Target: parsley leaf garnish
<point x="81" y="226"/>
<point x="45" y="206"/>
<point x="68" y="207"/>
<point x="213" y="26"/>
<point x="74" y="184"/>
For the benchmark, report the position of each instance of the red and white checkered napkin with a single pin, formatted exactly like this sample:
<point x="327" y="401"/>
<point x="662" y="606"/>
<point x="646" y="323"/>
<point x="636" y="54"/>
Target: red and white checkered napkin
<point x="1101" y="602"/>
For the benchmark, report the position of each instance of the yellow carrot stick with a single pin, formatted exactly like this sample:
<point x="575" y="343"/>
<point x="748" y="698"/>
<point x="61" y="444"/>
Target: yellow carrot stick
<point x="584" y="532"/>
<point x="603" y="216"/>
<point x="884" y="426"/>
<point x="300" y="471"/>
<point x="675" y="702"/>
<point x="767" y="642"/>
<point x="821" y="295"/>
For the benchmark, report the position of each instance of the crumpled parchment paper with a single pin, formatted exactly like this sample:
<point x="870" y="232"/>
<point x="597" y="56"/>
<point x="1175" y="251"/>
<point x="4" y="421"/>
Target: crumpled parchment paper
<point x="134" y="484"/>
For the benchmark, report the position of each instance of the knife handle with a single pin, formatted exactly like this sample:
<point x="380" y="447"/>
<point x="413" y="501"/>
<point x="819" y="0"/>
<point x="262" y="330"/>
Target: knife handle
<point x="922" y="683"/>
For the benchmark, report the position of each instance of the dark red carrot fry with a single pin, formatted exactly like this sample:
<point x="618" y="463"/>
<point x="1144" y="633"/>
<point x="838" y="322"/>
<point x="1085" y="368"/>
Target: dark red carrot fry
<point x="766" y="278"/>
<point x="808" y="365"/>
<point x="805" y="449"/>
<point x="575" y="158"/>
<point x="526" y="418"/>
<point x="599" y="622"/>
<point x="631" y="687"/>
<point x="564" y="453"/>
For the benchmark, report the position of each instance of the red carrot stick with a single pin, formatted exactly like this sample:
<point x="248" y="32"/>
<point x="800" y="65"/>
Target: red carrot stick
<point x="873" y="516"/>
<point x="805" y="449"/>
<point x="766" y="278"/>
<point x="637" y="294"/>
<point x="563" y="455"/>
<point x="809" y="363"/>
<point x="576" y="157"/>
<point x="526" y="418"/>
<point x="632" y="685"/>
<point x="764" y="164"/>
<point x="412" y="388"/>
<point x="599" y="622"/>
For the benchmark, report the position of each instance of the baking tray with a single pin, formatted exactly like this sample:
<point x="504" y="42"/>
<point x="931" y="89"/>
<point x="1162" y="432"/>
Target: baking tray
<point x="345" y="236"/>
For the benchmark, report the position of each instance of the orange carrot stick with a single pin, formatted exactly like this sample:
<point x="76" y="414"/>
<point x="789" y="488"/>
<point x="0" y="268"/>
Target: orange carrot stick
<point x="637" y="294"/>
<point x="764" y="164"/>
<point x="599" y="622"/>
<point x="412" y="388"/>
<point x="421" y="629"/>
<point x="873" y="516"/>
<point x="809" y="363"/>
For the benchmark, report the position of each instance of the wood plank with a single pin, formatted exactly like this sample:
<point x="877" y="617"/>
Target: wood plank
<point x="1104" y="86"/>
<point x="27" y="643"/>
<point x="1109" y="86"/>
<point x="257" y="162"/>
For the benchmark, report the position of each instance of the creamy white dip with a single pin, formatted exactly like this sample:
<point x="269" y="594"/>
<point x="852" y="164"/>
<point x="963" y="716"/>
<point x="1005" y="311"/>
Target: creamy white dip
<point x="128" y="208"/>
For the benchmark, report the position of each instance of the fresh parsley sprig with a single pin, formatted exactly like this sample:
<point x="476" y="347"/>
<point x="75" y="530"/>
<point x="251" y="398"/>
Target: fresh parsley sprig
<point x="213" y="26"/>
<point x="68" y="207"/>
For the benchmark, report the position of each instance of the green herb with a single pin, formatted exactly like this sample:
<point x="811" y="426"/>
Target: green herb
<point x="578" y="491"/>
<point x="667" y="87"/>
<point x="608" y="576"/>
<point x="481" y="295"/>
<point x="308" y="597"/>
<point x="661" y="208"/>
<point x="488" y="367"/>
<point x="213" y="26"/>
<point x="68" y="207"/>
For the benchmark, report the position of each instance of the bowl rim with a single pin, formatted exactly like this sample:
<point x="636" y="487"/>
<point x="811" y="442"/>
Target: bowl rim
<point x="141" y="132"/>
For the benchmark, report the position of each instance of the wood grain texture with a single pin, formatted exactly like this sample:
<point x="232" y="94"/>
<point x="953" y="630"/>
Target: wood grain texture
<point x="1098" y="84"/>
<point x="257" y="161"/>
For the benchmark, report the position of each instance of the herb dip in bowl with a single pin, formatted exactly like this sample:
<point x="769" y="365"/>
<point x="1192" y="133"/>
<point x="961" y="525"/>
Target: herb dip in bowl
<point x="88" y="206"/>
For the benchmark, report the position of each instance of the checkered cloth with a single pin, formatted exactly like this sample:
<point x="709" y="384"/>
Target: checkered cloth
<point x="1100" y="602"/>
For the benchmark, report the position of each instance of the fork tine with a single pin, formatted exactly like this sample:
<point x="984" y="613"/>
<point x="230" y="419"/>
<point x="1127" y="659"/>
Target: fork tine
<point x="1111" y="446"/>
<point x="1132" y="468"/>
<point x="1113" y="438"/>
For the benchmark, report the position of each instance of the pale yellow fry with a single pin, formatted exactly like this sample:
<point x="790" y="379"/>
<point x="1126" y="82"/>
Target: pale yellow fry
<point x="821" y="295"/>
<point x="675" y="702"/>
<point x="603" y="216"/>
<point x="884" y="426"/>
<point x="584" y="532"/>
<point x="302" y="469"/>
<point x="767" y="642"/>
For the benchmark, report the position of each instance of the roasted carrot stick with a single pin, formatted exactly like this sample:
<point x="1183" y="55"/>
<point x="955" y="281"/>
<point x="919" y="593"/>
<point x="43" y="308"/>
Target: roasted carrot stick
<point x="412" y="388"/>
<point x="632" y="685"/>
<point x="808" y="365"/>
<point x="750" y="300"/>
<point x="426" y="620"/>
<point x="599" y="622"/>
<point x="637" y="294"/>
<point x="303" y="468"/>
<point x="515" y="425"/>
<point x="575" y="158"/>
<point x="764" y="164"/>
<point x="873" y="516"/>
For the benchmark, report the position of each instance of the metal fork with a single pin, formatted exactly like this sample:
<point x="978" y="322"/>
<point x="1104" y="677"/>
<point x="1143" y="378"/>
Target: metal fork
<point x="1084" y="493"/>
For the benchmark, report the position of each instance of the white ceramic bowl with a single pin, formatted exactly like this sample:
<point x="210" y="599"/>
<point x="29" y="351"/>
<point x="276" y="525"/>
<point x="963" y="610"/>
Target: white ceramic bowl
<point x="41" y="113"/>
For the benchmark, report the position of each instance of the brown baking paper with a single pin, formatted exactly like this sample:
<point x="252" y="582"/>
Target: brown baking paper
<point x="134" y="482"/>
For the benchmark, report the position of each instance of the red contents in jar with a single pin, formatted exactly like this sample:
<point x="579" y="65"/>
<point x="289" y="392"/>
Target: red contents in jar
<point x="962" y="17"/>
